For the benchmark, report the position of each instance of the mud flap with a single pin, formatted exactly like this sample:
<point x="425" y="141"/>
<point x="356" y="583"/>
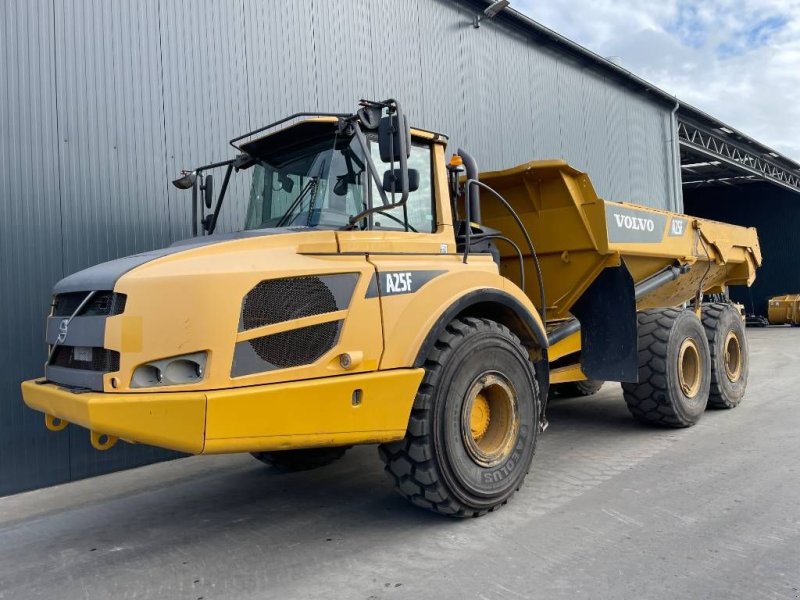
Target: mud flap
<point x="542" y="368"/>
<point x="609" y="337"/>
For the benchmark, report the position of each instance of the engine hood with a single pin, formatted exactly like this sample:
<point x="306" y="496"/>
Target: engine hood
<point x="104" y="276"/>
<point x="251" y="307"/>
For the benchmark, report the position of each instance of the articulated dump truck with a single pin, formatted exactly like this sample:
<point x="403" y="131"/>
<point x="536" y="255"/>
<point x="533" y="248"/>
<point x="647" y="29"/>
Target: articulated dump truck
<point x="381" y="293"/>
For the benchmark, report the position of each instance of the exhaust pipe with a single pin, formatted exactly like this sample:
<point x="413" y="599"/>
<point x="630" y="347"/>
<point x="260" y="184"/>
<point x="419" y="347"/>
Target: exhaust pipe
<point x="471" y="166"/>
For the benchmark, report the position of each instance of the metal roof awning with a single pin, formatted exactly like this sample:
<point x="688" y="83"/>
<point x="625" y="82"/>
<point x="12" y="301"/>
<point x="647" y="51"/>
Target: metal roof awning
<point x="720" y="156"/>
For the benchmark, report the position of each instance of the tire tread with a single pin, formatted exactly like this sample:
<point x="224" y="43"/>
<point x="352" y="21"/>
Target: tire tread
<point x="409" y="463"/>
<point x="648" y="400"/>
<point x="710" y="319"/>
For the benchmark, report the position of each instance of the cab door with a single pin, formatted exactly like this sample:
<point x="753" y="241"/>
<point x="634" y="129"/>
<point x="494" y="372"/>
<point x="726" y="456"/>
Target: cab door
<point x="407" y="262"/>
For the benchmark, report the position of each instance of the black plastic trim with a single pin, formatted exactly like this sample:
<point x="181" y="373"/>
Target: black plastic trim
<point x="476" y="303"/>
<point x="76" y="378"/>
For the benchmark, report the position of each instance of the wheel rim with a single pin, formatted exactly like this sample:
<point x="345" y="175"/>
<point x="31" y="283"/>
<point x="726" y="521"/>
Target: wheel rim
<point x="489" y="421"/>
<point x="733" y="357"/>
<point x="689" y="368"/>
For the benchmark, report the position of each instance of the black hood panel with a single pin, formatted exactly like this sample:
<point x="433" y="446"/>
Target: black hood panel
<point x="105" y="275"/>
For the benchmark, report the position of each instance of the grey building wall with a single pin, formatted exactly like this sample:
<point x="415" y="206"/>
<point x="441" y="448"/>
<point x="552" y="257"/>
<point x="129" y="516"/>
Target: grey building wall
<point x="775" y="212"/>
<point x="101" y="103"/>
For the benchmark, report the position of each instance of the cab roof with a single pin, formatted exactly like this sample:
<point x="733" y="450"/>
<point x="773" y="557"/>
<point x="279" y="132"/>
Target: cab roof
<point x="311" y="130"/>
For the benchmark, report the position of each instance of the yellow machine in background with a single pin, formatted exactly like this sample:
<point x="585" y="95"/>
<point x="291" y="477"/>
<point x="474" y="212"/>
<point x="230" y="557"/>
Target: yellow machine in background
<point x="379" y="293"/>
<point x="783" y="310"/>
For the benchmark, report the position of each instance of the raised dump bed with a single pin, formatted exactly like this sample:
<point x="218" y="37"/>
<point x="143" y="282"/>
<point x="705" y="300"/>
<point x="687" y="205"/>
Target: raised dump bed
<point x="602" y="261"/>
<point x="577" y="235"/>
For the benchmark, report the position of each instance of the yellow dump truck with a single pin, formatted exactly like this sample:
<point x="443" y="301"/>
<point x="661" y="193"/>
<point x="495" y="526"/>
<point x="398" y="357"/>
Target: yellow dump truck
<point x="380" y="293"/>
<point x="784" y="309"/>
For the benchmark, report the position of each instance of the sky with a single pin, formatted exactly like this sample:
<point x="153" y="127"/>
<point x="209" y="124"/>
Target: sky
<point x="738" y="60"/>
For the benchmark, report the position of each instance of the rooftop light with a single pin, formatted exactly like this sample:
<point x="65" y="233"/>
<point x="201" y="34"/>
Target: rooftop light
<point x="491" y="11"/>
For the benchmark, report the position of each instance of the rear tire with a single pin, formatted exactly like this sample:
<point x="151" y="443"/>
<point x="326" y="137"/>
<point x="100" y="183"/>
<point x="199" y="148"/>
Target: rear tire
<point x="674" y="369"/>
<point x="290" y="461"/>
<point x="474" y="425"/>
<point x="575" y="389"/>
<point x="729" y="354"/>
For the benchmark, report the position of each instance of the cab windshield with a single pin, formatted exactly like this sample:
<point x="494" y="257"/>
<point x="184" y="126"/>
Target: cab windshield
<point x="321" y="183"/>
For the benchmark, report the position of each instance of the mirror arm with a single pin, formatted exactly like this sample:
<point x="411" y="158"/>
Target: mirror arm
<point x="222" y="191"/>
<point x="222" y="163"/>
<point x="194" y="207"/>
<point x="195" y="200"/>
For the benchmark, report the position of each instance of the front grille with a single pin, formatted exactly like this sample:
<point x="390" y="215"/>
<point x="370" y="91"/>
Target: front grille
<point x="102" y="304"/>
<point x="297" y="347"/>
<point x="277" y="300"/>
<point x="103" y="360"/>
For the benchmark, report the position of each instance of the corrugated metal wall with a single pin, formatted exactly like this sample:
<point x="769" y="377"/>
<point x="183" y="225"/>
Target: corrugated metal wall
<point x="102" y="103"/>
<point x="775" y="212"/>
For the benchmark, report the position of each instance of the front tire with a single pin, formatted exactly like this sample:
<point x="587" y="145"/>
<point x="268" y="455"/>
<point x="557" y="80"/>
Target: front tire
<point x="674" y="369"/>
<point x="474" y="425"/>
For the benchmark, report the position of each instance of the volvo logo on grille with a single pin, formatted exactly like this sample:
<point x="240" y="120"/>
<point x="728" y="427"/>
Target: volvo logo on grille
<point x="63" y="327"/>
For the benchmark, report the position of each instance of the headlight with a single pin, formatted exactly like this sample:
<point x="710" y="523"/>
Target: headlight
<point x="176" y="370"/>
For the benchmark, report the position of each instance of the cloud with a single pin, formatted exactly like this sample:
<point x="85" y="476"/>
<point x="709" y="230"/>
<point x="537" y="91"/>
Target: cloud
<point x="738" y="60"/>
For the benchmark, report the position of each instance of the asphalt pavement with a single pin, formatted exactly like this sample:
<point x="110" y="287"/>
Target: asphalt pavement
<point x="611" y="509"/>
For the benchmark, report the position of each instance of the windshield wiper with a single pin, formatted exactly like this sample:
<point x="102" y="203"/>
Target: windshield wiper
<point x="312" y="184"/>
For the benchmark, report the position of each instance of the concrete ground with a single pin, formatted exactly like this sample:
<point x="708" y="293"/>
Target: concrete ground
<point x="611" y="509"/>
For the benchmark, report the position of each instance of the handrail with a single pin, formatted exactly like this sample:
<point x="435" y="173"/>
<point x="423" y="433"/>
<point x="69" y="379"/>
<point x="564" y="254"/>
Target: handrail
<point x="289" y="118"/>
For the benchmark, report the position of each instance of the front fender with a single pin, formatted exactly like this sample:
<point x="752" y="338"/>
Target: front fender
<point x="413" y="322"/>
<point x="493" y="304"/>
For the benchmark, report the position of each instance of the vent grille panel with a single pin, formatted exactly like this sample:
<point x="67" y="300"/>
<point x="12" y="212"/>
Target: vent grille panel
<point x="102" y="304"/>
<point x="103" y="360"/>
<point x="298" y="346"/>
<point x="278" y="300"/>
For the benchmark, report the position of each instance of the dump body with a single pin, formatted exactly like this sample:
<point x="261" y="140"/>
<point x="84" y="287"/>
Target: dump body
<point x="577" y="235"/>
<point x="784" y="310"/>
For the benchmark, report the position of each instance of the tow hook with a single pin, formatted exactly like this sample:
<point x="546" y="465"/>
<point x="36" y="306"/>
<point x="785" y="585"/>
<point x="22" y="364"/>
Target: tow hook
<point x="102" y="441"/>
<point x="54" y="423"/>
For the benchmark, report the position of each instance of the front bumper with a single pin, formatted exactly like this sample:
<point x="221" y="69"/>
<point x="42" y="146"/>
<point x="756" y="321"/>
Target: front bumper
<point x="330" y="411"/>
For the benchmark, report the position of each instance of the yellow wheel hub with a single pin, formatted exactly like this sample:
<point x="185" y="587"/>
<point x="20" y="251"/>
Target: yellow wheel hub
<point x="480" y="417"/>
<point x="733" y="357"/>
<point x="690" y="368"/>
<point x="489" y="420"/>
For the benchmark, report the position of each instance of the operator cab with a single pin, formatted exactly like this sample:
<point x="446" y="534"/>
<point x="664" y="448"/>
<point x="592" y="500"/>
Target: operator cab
<point x="313" y="175"/>
<point x="361" y="171"/>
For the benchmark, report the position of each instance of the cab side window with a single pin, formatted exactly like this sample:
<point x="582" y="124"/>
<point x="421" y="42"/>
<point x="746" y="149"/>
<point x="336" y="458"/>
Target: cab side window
<point x="421" y="215"/>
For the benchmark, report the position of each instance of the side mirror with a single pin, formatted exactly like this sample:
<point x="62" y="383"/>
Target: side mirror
<point x="287" y="183"/>
<point x="392" y="180"/>
<point x="394" y="136"/>
<point x="208" y="190"/>
<point x="341" y="186"/>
